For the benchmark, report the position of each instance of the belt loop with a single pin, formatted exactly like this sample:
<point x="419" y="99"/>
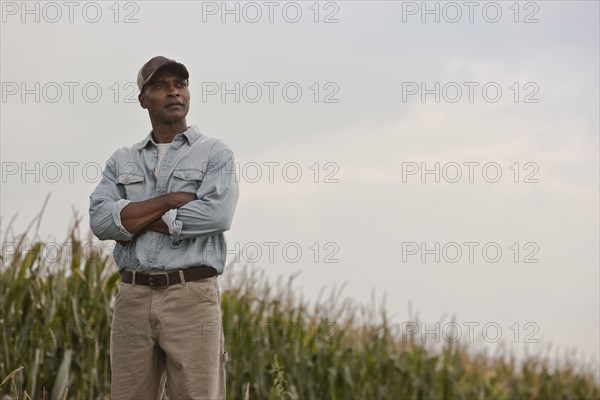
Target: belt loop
<point x="133" y="279"/>
<point x="181" y="277"/>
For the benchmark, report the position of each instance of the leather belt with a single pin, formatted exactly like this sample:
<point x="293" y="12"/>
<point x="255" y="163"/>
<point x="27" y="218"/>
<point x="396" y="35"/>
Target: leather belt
<point x="166" y="279"/>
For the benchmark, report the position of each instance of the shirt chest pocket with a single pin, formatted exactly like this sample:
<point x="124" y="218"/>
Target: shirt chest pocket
<point x="133" y="185"/>
<point x="186" y="180"/>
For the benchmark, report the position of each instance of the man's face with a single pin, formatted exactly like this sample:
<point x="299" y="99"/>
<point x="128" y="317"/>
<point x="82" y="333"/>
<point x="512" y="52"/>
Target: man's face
<point x="166" y="97"/>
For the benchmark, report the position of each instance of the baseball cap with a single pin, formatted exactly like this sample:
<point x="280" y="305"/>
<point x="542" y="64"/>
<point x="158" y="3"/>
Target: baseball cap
<point x="154" y="65"/>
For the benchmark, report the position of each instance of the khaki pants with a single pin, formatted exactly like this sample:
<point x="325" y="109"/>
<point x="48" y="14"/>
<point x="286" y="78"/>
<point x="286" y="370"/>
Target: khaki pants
<point x="171" y="335"/>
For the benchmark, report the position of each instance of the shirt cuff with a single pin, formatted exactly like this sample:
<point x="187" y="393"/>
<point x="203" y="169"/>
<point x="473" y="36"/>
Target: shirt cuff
<point x="117" y="208"/>
<point x="169" y="218"/>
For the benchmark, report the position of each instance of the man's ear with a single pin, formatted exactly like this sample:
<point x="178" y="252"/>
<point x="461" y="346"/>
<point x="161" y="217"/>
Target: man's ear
<point x="142" y="99"/>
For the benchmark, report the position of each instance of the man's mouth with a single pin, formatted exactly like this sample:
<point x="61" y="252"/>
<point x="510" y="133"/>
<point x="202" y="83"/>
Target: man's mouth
<point x="174" y="105"/>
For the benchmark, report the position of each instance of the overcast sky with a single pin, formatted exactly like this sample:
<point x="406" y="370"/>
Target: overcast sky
<point x="342" y="116"/>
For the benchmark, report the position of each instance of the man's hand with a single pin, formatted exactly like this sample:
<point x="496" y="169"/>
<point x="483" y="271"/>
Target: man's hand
<point x="138" y="216"/>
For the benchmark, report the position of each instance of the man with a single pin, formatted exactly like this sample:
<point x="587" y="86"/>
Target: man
<point x="167" y="201"/>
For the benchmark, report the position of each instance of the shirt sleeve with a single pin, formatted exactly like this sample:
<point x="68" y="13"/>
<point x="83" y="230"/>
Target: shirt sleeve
<point x="217" y="195"/>
<point x="169" y="219"/>
<point x="106" y="203"/>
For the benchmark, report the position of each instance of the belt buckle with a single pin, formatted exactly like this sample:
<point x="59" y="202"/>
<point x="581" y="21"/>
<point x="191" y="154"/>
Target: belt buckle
<point x="152" y="284"/>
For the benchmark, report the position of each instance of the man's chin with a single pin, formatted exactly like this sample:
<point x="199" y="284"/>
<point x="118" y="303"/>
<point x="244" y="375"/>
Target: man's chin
<point x="173" y="118"/>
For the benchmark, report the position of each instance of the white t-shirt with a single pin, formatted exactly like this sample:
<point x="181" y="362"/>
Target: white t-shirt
<point x="162" y="150"/>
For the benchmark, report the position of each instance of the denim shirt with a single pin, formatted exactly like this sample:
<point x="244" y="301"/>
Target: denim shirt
<point x="194" y="163"/>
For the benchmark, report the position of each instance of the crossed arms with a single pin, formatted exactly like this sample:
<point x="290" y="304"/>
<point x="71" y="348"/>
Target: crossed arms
<point x="139" y="216"/>
<point x="209" y="211"/>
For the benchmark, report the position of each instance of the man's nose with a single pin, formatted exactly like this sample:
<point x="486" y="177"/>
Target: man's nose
<point x="173" y="90"/>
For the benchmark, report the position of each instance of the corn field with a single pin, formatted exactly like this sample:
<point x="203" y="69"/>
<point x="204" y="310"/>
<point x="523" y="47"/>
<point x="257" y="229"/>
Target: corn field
<point x="55" y="339"/>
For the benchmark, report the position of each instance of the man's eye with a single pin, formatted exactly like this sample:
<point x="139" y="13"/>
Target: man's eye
<point x="181" y="84"/>
<point x="160" y="85"/>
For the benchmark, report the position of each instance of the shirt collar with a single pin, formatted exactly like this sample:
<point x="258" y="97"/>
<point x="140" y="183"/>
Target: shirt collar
<point x="191" y="134"/>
